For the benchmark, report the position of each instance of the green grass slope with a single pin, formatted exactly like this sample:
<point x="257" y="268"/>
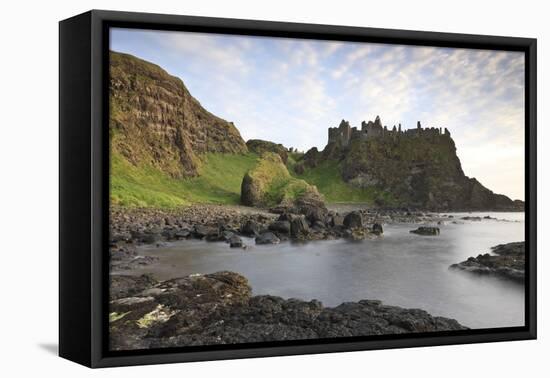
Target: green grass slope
<point x="219" y="182"/>
<point x="327" y="177"/>
<point x="145" y="186"/>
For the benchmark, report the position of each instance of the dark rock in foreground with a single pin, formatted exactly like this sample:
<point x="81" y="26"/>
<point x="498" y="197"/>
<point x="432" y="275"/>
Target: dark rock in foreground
<point x="377" y="229"/>
<point x="267" y="238"/>
<point x="353" y="220"/>
<point x="125" y="257"/>
<point x="236" y="242"/>
<point x="219" y="309"/>
<point x="423" y="230"/>
<point x="507" y="262"/>
<point x="475" y="219"/>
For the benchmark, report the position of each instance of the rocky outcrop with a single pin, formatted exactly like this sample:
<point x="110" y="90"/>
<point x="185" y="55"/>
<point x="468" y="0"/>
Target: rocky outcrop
<point x="214" y="223"/>
<point x="267" y="238"/>
<point x="507" y="261"/>
<point x="426" y="230"/>
<point x="416" y="168"/>
<point x="219" y="308"/>
<point x="155" y="120"/>
<point x="353" y="219"/>
<point x="251" y="191"/>
<point x="312" y="157"/>
<point x="260" y="147"/>
<point x="270" y="184"/>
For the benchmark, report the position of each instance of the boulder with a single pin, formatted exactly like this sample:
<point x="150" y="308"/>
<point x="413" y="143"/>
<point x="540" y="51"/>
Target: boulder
<point x="149" y="236"/>
<point x="312" y="157"/>
<point x="235" y="242"/>
<point x="377" y="229"/>
<point x="214" y="235"/>
<point x="226" y="235"/>
<point x="357" y="234"/>
<point x="182" y="234"/>
<point x="285" y="217"/>
<point x="336" y="220"/>
<point x="319" y="225"/>
<point x="353" y="220"/>
<point x="267" y="238"/>
<point x="251" y="193"/>
<point x="299" y="227"/>
<point x="260" y="147"/>
<point x="200" y="231"/>
<point x="280" y="226"/>
<point x="250" y="228"/>
<point x="425" y="230"/>
<point x="475" y="219"/>
<point x="311" y="204"/>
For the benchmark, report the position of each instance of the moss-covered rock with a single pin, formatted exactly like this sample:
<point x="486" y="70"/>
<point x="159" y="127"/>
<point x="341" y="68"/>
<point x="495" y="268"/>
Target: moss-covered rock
<point x="270" y="184"/>
<point x="260" y="147"/>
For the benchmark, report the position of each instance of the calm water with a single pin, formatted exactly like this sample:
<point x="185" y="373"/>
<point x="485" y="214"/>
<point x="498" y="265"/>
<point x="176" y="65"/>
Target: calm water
<point x="400" y="269"/>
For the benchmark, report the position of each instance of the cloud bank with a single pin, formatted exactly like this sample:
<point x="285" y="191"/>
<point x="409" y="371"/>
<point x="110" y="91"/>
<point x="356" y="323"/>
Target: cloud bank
<point x="290" y="91"/>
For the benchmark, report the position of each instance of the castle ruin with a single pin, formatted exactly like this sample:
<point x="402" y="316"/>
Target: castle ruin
<point x="344" y="134"/>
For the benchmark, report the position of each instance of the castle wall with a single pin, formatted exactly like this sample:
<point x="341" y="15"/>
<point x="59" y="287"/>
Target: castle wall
<point x="344" y="133"/>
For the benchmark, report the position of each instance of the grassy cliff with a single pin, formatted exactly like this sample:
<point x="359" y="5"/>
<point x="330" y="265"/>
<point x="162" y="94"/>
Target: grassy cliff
<point x="155" y="122"/>
<point x="143" y="185"/>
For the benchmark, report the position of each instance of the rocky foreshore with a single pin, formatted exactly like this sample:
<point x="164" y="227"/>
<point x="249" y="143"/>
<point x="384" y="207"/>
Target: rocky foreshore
<point x="222" y="223"/>
<point x="506" y="261"/>
<point x="219" y="308"/>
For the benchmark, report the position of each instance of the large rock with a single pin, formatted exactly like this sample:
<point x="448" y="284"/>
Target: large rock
<point x="377" y="229"/>
<point x="336" y="220"/>
<point x="269" y="184"/>
<point x="201" y="231"/>
<point x="251" y="191"/>
<point x="236" y="242"/>
<point x="312" y="157"/>
<point x="507" y="262"/>
<point x="299" y="227"/>
<point x="353" y="219"/>
<point x="425" y="230"/>
<point x="280" y="226"/>
<point x="251" y="228"/>
<point x="260" y="147"/>
<point x="267" y="238"/>
<point x="219" y="309"/>
<point x="311" y="204"/>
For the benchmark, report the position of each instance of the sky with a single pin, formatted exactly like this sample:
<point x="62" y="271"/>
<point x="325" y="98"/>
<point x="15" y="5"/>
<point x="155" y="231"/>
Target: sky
<point x="291" y="91"/>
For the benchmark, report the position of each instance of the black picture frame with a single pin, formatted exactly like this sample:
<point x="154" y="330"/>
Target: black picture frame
<point x="84" y="189"/>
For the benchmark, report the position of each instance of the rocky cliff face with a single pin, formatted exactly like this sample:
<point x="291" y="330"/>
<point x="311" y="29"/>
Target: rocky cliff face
<point x="154" y="120"/>
<point x="418" y="167"/>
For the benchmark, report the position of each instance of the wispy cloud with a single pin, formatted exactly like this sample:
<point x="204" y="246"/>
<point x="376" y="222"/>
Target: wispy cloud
<point x="290" y="91"/>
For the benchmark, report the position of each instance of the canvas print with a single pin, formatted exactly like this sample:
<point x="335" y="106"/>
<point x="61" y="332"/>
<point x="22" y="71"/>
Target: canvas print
<point x="269" y="189"/>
